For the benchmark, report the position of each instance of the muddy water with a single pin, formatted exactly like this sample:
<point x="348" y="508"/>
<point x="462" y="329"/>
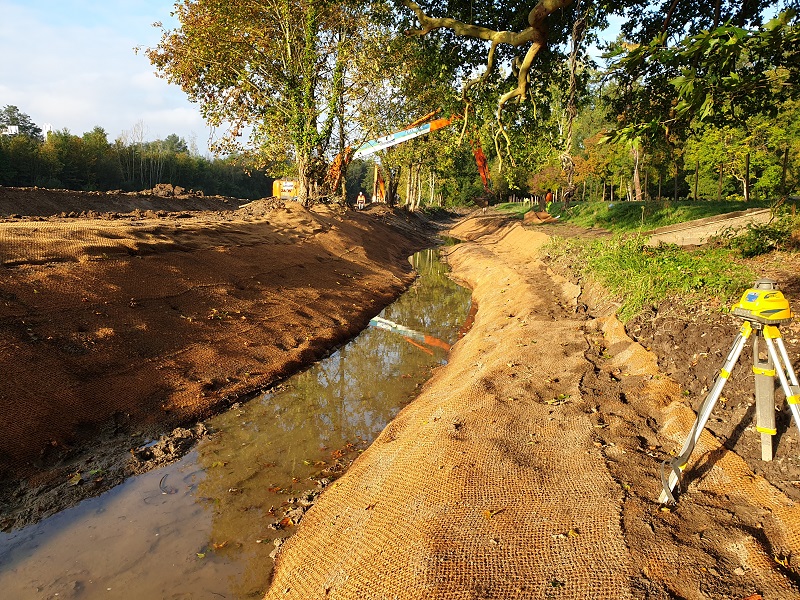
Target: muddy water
<point x="205" y="526"/>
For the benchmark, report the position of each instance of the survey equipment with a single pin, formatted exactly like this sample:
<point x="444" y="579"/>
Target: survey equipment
<point x="763" y="308"/>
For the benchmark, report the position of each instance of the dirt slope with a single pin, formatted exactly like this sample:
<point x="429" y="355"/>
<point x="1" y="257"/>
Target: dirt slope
<point x="529" y="467"/>
<point x="114" y="331"/>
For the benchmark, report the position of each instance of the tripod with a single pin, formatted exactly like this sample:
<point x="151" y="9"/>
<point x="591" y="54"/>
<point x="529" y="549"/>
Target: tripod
<point x="763" y="309"/>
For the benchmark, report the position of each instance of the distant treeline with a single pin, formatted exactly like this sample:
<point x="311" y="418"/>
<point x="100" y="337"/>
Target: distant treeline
<point x="90" y="162"/>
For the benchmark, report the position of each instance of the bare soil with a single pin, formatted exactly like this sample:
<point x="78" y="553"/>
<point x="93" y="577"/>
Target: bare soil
<point x="528" y="467"/>
<point x="117" y="327"/>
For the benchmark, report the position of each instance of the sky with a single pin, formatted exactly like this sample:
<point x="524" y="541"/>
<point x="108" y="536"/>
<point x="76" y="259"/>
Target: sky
<point x="71" y="64"/>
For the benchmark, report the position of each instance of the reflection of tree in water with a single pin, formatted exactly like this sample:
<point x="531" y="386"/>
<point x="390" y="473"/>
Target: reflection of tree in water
<point x="274" y="443"/>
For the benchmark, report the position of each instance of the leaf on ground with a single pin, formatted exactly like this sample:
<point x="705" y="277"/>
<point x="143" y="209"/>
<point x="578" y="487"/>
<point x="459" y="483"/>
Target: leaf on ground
<point x="75" y="479"/>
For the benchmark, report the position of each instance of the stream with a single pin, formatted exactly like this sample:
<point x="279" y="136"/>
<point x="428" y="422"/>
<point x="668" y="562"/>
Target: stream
<point x="205" y="526"/>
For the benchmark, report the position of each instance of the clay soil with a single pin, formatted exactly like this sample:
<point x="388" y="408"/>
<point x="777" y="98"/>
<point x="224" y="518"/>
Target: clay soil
<point x="124" y="317"/>
<point x="529" y="466"/>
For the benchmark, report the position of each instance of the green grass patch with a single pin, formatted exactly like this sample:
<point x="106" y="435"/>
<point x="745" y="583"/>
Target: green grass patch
<point x="513" y="209"/>
<point x="642" y="277"/>
<point x="633" y="216"/>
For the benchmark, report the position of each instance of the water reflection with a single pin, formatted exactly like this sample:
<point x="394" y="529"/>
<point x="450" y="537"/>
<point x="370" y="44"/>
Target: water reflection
<point x="226" y="497"/>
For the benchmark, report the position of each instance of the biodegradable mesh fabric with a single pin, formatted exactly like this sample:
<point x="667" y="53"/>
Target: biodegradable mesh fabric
<point x="489" y="484"/>
<point x="529" y="467"/>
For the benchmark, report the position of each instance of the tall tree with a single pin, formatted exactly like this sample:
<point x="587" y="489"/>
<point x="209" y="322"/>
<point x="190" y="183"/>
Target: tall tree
<point x="280" y="69"/>
<point x="11" y="115"/>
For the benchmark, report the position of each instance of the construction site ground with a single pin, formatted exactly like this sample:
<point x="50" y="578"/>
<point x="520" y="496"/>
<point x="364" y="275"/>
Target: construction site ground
<point x="528" y="467"/>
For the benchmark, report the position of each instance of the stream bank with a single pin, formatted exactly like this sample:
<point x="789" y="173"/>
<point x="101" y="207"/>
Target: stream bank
<point x="529" y="466"/>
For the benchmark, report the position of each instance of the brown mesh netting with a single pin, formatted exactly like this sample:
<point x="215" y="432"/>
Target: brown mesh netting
<point x="529" y="467"/>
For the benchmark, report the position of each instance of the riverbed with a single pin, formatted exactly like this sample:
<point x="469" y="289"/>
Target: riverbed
<point x="204" y="527"/>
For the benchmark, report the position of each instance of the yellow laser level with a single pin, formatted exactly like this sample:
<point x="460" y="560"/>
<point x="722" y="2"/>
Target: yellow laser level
<point x="764" y="304"/>
<point x="762" y="308"/>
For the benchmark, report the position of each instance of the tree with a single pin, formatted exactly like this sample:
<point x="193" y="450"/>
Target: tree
<point x="282" y="69"/>
<point x="11" y="115"/>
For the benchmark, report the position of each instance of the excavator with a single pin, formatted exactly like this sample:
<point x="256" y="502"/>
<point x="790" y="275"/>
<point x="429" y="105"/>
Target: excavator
<point x="288" y="189"/>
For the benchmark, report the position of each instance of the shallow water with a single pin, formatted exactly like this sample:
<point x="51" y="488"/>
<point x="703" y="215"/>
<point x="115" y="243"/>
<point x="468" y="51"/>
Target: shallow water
<point x="200" y="528"/>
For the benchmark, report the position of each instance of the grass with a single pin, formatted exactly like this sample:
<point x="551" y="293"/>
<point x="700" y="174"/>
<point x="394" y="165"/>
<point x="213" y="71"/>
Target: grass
<point x="513" y="209"/>
<point x="633" y="216"/>
<point x="642" y="277"/>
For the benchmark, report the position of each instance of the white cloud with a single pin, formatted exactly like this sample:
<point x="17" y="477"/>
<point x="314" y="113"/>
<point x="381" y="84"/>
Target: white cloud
<point x="72" y="64"/>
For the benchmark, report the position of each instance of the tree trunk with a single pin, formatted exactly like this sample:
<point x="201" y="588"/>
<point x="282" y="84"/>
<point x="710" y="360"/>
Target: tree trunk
<point x="696" y="178"/>
<point x="645" y="194"/>
<point x="392" y="183"/>
<point x="719" y="183"/>
<point x="675" y="182"/>
<point x="747" y="177"/>
<point x="783" y="172"/>
<point x="409" y="182"/>
<point x="660" y="182"/>
<point x="637" y="183"/>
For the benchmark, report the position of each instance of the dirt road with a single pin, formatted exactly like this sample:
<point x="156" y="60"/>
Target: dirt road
<point x="529" y="467"/>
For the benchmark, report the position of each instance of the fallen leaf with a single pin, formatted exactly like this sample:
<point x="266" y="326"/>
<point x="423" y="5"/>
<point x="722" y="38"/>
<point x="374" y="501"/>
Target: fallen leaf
<point x="75" y="479"/>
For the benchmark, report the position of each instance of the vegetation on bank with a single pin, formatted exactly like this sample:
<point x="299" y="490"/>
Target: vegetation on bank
<point x="641" y="277"/>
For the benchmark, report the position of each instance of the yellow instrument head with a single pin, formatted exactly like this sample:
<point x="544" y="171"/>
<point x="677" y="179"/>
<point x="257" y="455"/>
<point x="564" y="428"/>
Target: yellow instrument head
<point x="763" y="303"/>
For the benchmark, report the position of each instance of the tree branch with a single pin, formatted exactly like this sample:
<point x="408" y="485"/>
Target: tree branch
<point x="536" y="33"/>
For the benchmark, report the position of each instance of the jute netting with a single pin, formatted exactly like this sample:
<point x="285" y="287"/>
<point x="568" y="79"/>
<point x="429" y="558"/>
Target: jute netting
<point x="489" y="484"/>
<point x="529" y="467"/>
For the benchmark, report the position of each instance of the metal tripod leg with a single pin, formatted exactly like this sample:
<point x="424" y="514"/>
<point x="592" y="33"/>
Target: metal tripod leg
<point x="772" y="338"/>
<point x="764" y="371"/>
<point x="679" y="462"/>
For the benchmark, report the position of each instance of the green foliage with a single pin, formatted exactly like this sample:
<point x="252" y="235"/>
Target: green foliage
<point x="642" y="276"/>
<point x="90" y="162"/>
<point x="759" y="238"/>
<point x="634" y="216"/>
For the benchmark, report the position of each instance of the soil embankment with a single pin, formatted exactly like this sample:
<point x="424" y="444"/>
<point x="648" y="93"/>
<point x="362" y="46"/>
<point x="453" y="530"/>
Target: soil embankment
<point x="115" y="330"/>
<point x="529" y="467"/>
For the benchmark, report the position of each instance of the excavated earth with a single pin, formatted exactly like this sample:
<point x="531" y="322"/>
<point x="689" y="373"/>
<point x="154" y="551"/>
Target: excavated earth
<point x="120" y="327"/>
<point x="529" y="466"/>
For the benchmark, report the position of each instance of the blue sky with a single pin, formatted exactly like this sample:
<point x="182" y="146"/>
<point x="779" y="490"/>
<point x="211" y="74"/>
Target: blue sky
<point x="71" y="64"/>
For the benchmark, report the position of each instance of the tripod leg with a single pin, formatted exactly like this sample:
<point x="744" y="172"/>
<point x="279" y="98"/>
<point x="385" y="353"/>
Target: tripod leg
<point x="764" y="372"/>
<point x="678" y="464"/>
<point x="792" y="390"/>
